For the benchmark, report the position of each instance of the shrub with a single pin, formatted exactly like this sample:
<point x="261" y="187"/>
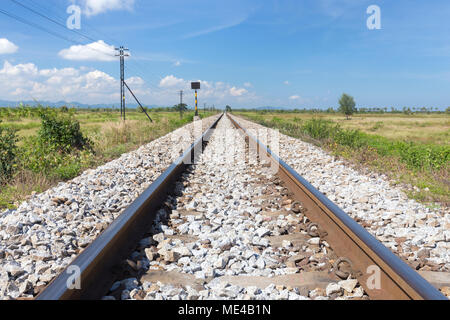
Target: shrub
<point x="46" y="159"/>
<point x="351" y="138"/>
<point x="63" y="132"/>
<point x="320" y="129"/>
<point x="40" y="157"/>
<point x="8" y="153"/>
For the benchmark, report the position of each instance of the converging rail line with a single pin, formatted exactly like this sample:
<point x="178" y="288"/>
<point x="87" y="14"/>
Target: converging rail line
<point x="355" y="253"/>
<point x="349" y="239"/>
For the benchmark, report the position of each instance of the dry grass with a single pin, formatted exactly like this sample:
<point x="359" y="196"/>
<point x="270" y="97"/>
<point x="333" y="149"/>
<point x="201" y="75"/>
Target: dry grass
<point x="426" y="128"/>
<point x="22" y="186"/>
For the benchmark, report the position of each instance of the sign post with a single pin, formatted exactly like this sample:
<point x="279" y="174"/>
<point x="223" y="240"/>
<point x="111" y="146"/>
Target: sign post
<point x="196" y="86"/>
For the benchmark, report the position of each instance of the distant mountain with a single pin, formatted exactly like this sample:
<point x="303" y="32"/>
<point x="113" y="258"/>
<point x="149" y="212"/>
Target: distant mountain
<point x="4" y="103"/>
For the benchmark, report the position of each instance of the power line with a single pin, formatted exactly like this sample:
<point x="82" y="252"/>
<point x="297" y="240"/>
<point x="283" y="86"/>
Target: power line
<point x="38" y="27"/>
<point x="13" y="16"/>
<point x="52" y="20"/>
<point x="62" y="24"/>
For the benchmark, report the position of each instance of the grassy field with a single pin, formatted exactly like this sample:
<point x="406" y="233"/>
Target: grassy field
<point x="413" y="150"/>
<point x="109" y="136"/>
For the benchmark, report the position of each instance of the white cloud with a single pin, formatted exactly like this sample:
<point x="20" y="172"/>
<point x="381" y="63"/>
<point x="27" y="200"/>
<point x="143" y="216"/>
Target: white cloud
<point x="96" y="51"/>
<point x="91" y="86"/>
<point x="94" y="7"/>
<point x="170" y="82"/>
<point x="235" y="92"/>
<point x="211" y="92"/>
<point x="20" y="69"/>
<point x="295" y="97"/>
<point x="287" y="83"/>
<point x="177" y="64"/>
<point x="248" y="85"/>
<point x="7" y="47"/>
<point x="26" y="81"/>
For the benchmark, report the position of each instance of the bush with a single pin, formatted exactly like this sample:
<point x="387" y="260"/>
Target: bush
<point x="63" y="132"/>
<point x="46" y="159"/>
<point x="320" y="129"/>
<point x="350" y="138"/>
<point x="40" y="157"/>
<point x="8" y="153"/>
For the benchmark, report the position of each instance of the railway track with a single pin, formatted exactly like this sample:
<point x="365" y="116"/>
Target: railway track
<point x="227" y="228"/>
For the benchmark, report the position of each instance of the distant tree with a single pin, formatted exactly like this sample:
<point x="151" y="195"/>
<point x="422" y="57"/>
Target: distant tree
<point x="447" y="110"/>
<point x="347" y="105"/>
<point x="228" y="109"/>
<point x="181" y="107"/>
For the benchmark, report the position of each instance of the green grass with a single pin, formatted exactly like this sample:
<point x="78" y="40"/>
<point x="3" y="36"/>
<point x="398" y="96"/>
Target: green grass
<point x="408" y="161"/>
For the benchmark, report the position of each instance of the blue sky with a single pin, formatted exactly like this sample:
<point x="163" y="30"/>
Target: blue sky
<point x="302" y="53"/>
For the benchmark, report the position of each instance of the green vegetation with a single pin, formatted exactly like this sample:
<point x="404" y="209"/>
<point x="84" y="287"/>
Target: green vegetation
<point x="181" y="108"/>
<point x="8" y="153"/>
<point x="347" y="105"/>
<point x="40" y="147"/>
<point x="62" y="131"/>
<point x="380" y="142"/>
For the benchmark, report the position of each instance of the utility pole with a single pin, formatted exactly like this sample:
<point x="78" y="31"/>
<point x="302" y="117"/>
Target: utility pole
<point x="122" y="56"/>
<point x="181" y="104"/>
<point x="204" y="108"/>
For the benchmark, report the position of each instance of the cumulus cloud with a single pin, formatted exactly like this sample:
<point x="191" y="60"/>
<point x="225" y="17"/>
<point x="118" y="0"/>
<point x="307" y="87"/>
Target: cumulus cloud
<point x="236" y="92"/>
<point x="94" y="7"/>
<point x="7" y="47"/>
<point x="171" y="81"/>
<point x="295" y="97"/>
<point x="96" y="51"/>
<point x="91" y="86"/>
<point x="213" y="92"/>
<point x="26" y="81"/>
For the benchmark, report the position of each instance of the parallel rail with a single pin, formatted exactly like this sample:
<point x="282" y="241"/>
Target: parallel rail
<point x="97" y="262"/>
<point x="398" y="281"/>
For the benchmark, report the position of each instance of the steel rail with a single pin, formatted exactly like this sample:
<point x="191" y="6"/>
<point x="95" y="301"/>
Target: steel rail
<point x="94" y="267"/>
<point x="398" y="281"/>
